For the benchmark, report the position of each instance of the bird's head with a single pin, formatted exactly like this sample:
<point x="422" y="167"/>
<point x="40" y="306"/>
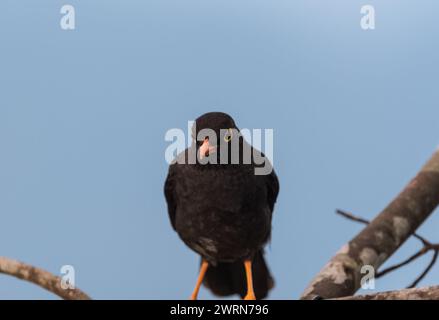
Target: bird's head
<point x="212" y="132"/>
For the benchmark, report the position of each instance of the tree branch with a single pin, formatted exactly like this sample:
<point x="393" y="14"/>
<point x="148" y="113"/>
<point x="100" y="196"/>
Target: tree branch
<point x="341" y="276"/>
<point x="428" y="246"/>
<point x="427" y="293"/>
<point x="39" y="277"/>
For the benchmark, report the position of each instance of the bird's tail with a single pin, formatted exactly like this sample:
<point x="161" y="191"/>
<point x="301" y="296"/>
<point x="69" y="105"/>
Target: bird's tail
<point x="229" y="278"/>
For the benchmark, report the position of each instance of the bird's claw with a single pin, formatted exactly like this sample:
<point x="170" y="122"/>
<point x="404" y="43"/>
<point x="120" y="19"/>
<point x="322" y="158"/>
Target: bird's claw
<point x="250" y="296"/>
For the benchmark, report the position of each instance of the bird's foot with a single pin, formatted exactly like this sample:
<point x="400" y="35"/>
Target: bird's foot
<point x="250" y="296"/>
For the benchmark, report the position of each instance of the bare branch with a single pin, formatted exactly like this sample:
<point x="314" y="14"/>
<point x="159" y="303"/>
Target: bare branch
<point x="39" y="277"/>
<point x="341" y="276"/>
<point x="427" y="293"/>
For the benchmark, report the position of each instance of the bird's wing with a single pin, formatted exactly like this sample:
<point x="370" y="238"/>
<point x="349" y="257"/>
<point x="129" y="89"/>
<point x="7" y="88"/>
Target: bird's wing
<point x="170" y="194"/>
<point x="271" y="181"/>
<point x="272" y="189"/>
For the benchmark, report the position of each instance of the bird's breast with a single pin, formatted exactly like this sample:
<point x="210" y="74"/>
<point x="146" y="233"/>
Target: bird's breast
<point x="222" y="214"/>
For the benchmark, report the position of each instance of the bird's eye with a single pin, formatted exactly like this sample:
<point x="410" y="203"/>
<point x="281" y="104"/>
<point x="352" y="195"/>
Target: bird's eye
<point x="228" y="135"/>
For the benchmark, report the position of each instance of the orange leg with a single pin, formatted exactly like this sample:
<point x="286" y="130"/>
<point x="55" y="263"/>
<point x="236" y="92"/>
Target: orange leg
<point x="248" y="272"/>
<point x="203" y="270"/>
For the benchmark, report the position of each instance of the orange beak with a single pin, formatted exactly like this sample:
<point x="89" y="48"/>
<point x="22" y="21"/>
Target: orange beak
<point x="206" y="149"/>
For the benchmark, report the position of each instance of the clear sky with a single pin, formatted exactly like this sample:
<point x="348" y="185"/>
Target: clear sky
<point x="83" y="115"/>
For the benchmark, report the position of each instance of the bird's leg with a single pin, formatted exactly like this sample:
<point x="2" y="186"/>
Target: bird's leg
<point x="203" y="270"/>
<point x="248" y="272"/>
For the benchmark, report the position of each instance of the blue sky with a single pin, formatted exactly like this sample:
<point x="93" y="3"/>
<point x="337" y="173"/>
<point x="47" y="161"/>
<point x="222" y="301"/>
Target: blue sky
<point x="83" y="116"/>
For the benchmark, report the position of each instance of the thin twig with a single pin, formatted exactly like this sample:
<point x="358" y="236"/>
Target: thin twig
<point x="352" y="217"/>
<point x="423" y="274"/>
<point x="399" y="265"/>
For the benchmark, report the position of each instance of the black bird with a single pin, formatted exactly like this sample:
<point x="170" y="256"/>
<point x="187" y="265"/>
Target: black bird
<point x="223" y="211"/>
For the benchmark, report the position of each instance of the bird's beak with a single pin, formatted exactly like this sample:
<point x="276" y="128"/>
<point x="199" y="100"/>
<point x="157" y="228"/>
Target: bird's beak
<point x="206" y="149"/>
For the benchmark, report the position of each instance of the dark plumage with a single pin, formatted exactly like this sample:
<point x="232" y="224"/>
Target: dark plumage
<point x="223" y="212"/>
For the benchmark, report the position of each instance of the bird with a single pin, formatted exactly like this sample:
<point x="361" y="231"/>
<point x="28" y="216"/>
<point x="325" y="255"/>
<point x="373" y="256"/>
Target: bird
<point x="222" y="210"/>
